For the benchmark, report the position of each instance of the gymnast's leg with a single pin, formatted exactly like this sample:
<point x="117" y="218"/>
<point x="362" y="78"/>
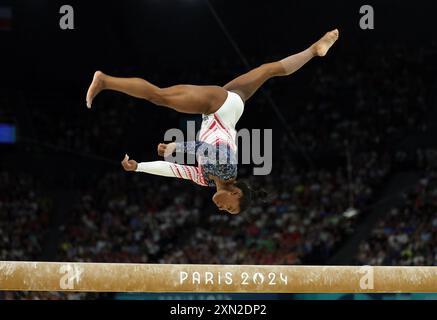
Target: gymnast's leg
<point x="182" y="98"/>
<point x="247" y="84"/>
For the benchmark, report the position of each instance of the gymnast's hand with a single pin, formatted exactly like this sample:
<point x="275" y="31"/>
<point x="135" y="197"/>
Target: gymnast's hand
<point x="164" y="149"/>
<point x="129" y="165"/>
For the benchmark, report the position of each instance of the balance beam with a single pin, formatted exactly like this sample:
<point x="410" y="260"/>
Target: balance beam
<point x="118" y="277"/>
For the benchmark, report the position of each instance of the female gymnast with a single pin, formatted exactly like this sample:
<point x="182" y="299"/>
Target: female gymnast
<point x="221" y="108"/>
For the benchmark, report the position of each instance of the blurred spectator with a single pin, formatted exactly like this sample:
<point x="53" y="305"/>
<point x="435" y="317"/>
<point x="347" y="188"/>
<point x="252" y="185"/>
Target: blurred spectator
<point x="407" y="234"/>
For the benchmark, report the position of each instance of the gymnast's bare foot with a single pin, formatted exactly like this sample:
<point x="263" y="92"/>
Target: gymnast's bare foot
<point x="96" y="86"/>
<point x="321" y="47"/>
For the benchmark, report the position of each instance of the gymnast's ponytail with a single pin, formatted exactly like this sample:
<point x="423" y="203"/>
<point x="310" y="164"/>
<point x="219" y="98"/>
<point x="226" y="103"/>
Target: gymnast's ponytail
<point x="250" y="195"/>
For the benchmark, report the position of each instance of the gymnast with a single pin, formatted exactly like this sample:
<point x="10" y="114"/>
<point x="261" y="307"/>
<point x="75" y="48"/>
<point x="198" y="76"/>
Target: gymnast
<point x="221" y="108"/>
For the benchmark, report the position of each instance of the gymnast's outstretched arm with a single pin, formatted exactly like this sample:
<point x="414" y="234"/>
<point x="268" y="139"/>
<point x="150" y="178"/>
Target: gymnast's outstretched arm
<point x="165" y="169"/>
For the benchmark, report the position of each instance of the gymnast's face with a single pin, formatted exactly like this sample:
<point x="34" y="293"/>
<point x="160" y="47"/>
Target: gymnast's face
<point x="228" y="200"/>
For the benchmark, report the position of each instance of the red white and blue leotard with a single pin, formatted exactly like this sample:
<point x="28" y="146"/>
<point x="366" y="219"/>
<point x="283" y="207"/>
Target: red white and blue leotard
<point x="215" y="149"/>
